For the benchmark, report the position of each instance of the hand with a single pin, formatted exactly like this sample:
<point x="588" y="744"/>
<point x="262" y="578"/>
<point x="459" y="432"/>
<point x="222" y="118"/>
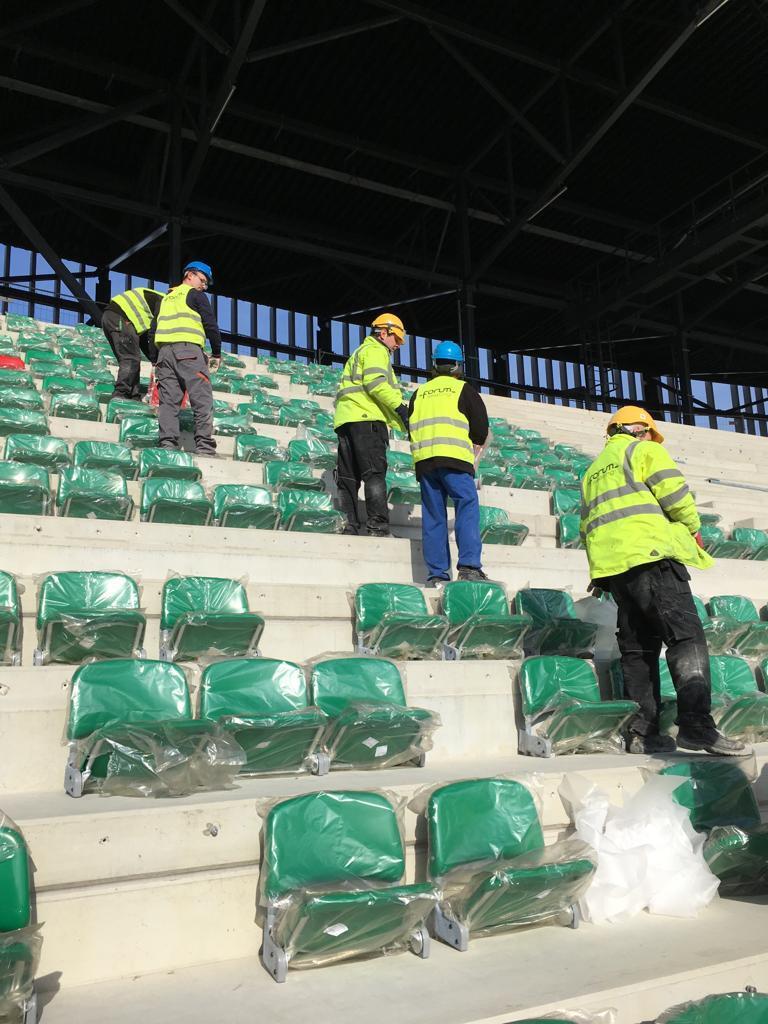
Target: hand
<point x="594" y="590"/>
<point x="402" y="412"/>
<point x="697" y="537"/>
<point x="213" y="363"/>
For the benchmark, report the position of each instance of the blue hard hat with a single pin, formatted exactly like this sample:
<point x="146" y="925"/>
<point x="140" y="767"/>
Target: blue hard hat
<point x="448" y="352"/>
<point x="202" y="267"/>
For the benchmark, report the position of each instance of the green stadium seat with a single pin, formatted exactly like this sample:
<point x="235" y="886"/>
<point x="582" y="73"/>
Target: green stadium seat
<point x="756" y="542"/>
<point x="220" y="383"/>
<point x="721" y="632"/>
<point x="83" y="615"/>
<point x="403" y="488"/>
<point x="495" y="527"/>
<point x="261" y="413"/>
<point x="312" y="451"/>
<point x="10" y="621"/>
<point x="264" y="703"/>
<point x="21" y="398"/>
<point x="207" y="615"/>
<point x="556" y="629"/>
<point x="753" y="640"/>
<point x="715" y="544"/>
<point x="254" y="448"/>
<point x="106" y="456"/>
<point x="501" y="427"/>
<point x="493" y="475"/>
<point x="20" y="940"/>
<point x="291" y="474"/>
<point x="568" y="530"/>
<point x="23" y="421"/>
<point x="392" y="621"/>
<point x="244" y="506"/>
<point x="709" y="518"/>
<point x="232" y="361"/>
<point x="24" y="489"/>
<point x="371" y="725"/>
<point x="399" y="459"/>
<point x="565" y="500"/>
<point x="119" y="408"/>
<point x="308" y="512"/>
<point x="92" y="494"/>
<point x="739" y="708"/>
<point x="50" y="453"/>
<point x="59" y="384"/>
<point x="76" y="406"/>
<point x="16" y="379"/>
<point x="139" y="431"/>
<point x="729" y="1008"/>
<point x="76" y="350"/>
<point x="527" y="478"/>
<point x="44" y="369"/>
<point x="131" y="732"/>
<point x="232" y="425"/>
<point x="181" y="502"/>
<point x="481" y="623"/>
<point x="488" y="858"/>
<point x="563" y="711"/>
<point x="331" y="882"/>
<point x="326" y="389"/>
<point x="169" y="464"/>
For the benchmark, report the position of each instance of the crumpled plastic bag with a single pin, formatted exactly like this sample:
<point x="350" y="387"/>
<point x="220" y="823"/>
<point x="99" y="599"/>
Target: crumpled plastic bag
<point x="649" y="856"/>
<point x="603" y="615"/>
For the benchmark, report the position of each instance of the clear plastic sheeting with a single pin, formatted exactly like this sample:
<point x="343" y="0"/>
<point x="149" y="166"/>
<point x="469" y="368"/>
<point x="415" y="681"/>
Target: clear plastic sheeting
<point x="480" y="620"/>
<point x="20" y="941"/>
<point x="255" y="448"/>
<point x="106" y="456"/>
<point x="19" y="961"/>
<point x="244" y="506"/>
<point x="93" y="494"/>
<point x="308" y="511"/>
<point x="728" y="1008"/>
<point x="600" y="612"/>
<point x="572" y="1017"/>
<point x="739" y="858"/>
<point x="207" y="615"/>
<point x="556" y="628"/>
<point x="392" y="621"/>
<point x="24" y="489"/>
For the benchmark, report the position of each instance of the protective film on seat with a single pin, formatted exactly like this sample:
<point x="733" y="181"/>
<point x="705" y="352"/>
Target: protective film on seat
<point x="729" y="1008"/>
<point x="168" y="463"/>
<point x="739" y="708"/>
<point x="313" y="451"/>
<point x="10" y="620"/>
<point x="24" y="489"/>
<point x="22" y="421"/>
<point x="174" y="500"/>
<point x="495" y="527"/>
<point x="755" y="540"/>
<point x="291" y="475"/>
<point x="207" y="615"/>
<point x="569" y="532"/>
<point x="48" y="452"/>
<point x="255" y="448"/>
<point x="139" y="431"/>
<point x="93" y="494"/>
<point x="76" y="406"/>
<point x="244" y="506"/>
<point x="107" y="456"/>
<point x="565" y="501"/>
<point x="20" y="941"/>
<point x="392" y="620"/>
<point x="308" y="511"/>
<point x="481" y="623"/>
<point x="556" y="630"/>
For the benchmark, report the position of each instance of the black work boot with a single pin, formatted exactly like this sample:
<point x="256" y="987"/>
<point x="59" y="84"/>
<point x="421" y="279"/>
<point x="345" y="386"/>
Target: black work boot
<point x="470" y="572"/>
<point x="719" y="745"/>
<point x="653" y="743"/>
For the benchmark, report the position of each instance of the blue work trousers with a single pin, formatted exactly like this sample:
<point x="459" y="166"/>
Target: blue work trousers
<point x="436" y="488"/>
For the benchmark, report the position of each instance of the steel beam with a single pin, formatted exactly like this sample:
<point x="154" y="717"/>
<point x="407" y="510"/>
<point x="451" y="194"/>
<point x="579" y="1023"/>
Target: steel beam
<point x="137" y="247"/>
<point x="205" y="31"/>
<point x="37" y="17"/>
<point x="318" y="39"/>
<point x="726" y="295"/>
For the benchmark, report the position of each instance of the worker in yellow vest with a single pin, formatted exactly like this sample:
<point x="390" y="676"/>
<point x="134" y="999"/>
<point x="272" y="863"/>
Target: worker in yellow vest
<point x="448" y="427"/>
<point x="641" y="528"/>
<point x="126" y="322"/>
<point x="179" y="331"/>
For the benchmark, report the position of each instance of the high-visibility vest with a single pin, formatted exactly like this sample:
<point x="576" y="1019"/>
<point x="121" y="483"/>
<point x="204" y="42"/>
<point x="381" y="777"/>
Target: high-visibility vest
<point x="136" y="308"/>
<point x="368" y="389"/>
<point x="636" y="509"/>
<point x="176" y="322"/>
<point x="437" y="428"/>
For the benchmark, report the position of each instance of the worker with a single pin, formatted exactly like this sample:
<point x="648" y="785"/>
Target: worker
<point x="179" y="331"/>
<point x="126" y="322"/>
<point x="448" y="429"/>
<point x="368" y="403"/>
<point x="641" y="528"/>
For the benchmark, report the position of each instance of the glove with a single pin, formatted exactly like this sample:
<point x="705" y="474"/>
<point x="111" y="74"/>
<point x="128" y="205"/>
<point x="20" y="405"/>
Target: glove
<point x="594" y="590"/>
<point x="697" y="538"/>
<point x="404" y="415"/>
<point x="213" y="363"/>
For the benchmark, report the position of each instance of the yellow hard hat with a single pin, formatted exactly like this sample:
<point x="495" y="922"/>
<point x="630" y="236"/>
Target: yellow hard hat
<point x="393" y="324"/>
<point x="634" y="414"/>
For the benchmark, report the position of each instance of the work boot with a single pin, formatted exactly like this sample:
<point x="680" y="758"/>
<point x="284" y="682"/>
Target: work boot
<point x="720" y="745"/>
<point x="206" y="454"/>
<point x="470" y="572"/>
<point x="350" y="531"/>
<point x="653" y="743"/>
<point x="436" y="582"/>
<point x="379" y="533"/>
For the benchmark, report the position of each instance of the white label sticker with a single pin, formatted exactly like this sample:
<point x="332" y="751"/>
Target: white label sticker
<point x="336" y="929"/>
<point x="262" y="746"/>
<point x="370" y="742"/>
<point x="380" y="751"/>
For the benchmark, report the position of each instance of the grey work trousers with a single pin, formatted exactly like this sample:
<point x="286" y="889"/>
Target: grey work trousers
<point x="183" y="367"/>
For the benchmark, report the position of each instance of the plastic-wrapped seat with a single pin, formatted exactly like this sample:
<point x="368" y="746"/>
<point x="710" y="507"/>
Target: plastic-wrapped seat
<point x="331" y="882"/>
<point x="491" y="474"/>
<point x="392" y="621"/>
<point x="556" y="630"/>
<point x="481" y="623"/>
<point x="565" y="500"/>
<point x="202" y="615"/>
<point x="131" y="732"/>
<point x="308" y="512"/>
<point x="728" y="1008"/>
<point x="106" y="456"/>
<point x="291" y="474"/>
<point x="139" y="431"/>
<point x="756" y="542"/>
<point x="739" y="708"/>
<point x="169" y="464"/>
<point x="529" y="479"/>
<point x="10" y="621"/>
<point x="563" y="711"/>
<point x="568" y="530"/>
<point x="716" y="544"/>
<point x="488" y="858"/>
<point x="23" y="421"/>
<point x="244" y="506"/>
<point x="61" y="384"/>
<point x="495" y="527"/>
<point x="20" y="398"/>
<point x="181" y="502"/>
<point x="313" y="451"/>
<point x="83" y="615"/>
<point x="16" y="379"/>
<point x="76" y="405"/>
<point x="403" y="488"/>
<point x="232" y="425"/>
<point x="50" y="453"/>
<point x="397" y="460"/>
<point x="20" y="940"/>
<point x="120" y="408"/>
<point x="721" y="632"/>
<point x="254" y="448"/>
<point x="24" y="489"/>
<point x="371" y="724"/>
<point x="753" y="640"/>
<point x="264" y="703"/>
<point x="92" y="494"/>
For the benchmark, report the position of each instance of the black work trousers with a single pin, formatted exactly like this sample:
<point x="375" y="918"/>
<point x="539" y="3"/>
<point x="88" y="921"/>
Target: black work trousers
<point x="362" y="458"/>
<point x="127" y="346"/>
<point x="655" y="606"/>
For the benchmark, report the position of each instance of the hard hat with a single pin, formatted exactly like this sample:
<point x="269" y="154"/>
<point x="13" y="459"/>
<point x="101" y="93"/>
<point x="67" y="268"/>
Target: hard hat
<point x="448" y="352"/>
<point x="634" y="414"/>
<point x="202" y="267"/>
<point x="392" y="324"/>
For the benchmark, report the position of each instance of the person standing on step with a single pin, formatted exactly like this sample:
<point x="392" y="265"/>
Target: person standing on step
<point x="368" y="403"/>
<point x="640" y="527"/>
<point x="126" y="323"/>
<point x="183" y="322"/>
<point x="448" y="427"/>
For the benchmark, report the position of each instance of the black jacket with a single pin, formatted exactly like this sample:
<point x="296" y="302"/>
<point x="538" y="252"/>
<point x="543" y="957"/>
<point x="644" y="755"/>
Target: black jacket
<point x="472" y="406"/>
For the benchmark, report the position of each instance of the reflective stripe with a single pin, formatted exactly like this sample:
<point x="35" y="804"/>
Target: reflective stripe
<point x="375" y="382"/>
<point x="629" y="473"/>
<point x="432" y="442"/>
<point x="376" y="369"/>
<point x="135" y="306"/>
<point x="436" y="421"/>
<point x="672" y="499"/>
<point x="176" y="323"/>
<point x="623" y="513"/>
<point x="177" y="316"/>
<point x="617" y="492"/>
<point x="663" y="474"/>
<point x="350" y="390"/>
<point x="127" y="297"/>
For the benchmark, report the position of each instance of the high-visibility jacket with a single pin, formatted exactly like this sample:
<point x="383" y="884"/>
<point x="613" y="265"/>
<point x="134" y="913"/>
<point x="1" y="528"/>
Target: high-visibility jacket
<point x="368" y="389"/>
<point x="177" y="322"/>
<point x="636" y="508"/>
<point x="136" y="308"/>
<point x="437" y="428"/>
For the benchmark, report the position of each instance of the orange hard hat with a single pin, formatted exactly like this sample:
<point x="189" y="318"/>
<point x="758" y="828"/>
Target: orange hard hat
<point x="392" y="324"/>
<point x="634" y="414"/>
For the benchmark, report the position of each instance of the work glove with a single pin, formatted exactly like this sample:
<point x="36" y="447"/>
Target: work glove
<point x="213" y="363"/>
<point x="594" y="590"/>
<point x="404" y="415"/>
<point x="698" y="539"/>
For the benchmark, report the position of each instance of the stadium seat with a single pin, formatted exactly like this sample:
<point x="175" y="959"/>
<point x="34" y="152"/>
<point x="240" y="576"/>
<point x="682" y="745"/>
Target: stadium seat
<point x="107" y="457"/>
<point x="396" y="460"/>
<point x="10" y="621"/>
<point x="139" y="431"/>
<point x="488" y="858"/>
<point x="495" y="527"/>
<point x="313" y="451"/>
<point x="131" y="732"/>
<point x="24" y="489"/>
<point x="178" y="501"/>
<point x="16" y="379"/>
<point x="403" y="488"/>
<point x="92" y="494"/>
<point x="119" y="408"/>
<point x="721" y="632"/>
<point x="50" y="453"/>
<point x="168" y="464"/>
<point x="23" y="421"/>
<point x="568" y="530"/>
<point x="291" y="474"/>
<point x="331" y="882"/>
<point x="739" y="708"/>
<point x="563" y="711"/>
<point x="21" y="398"/>
<point x="556" y="630"/>
<point x="527" y="478"/>
<point x="244" y="506"/>
<point x="253" y="448"/>
<point x="729" y="1008"/>
<point x="308" y="511"/>
<point x="715" y="544"/>
<point x="753" y="641"/>
<point x="206" y="615"/>
<point x="232" y="425"/>
<point x="261" y="412"/>
<point x="20" y="940"/>
<point x="565" y="500"/>
<point x="84" y="615"/>
<point x="481" y="623"/>
<point x="58" y="384"/>
<point x="756" y="542"/>
<point x="371" y="725"/>
<point x="493" y="475"/>
<point x="392" y="621"/>
<point x="75" y="405"/>
<point x="264" y="703"/>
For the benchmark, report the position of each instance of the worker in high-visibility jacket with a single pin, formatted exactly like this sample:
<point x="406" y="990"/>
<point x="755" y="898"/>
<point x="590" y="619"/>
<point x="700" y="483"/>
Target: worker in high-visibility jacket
<point x="640" y="527"/>
<point x="126" y="322"/>
<point x="448" y="428"/>
<point x="368" y="403"/>
<point x="179" y="331"/>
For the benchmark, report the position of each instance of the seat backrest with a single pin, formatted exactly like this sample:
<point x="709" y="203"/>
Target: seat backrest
<point x="565" y="500"/>
<point x="701" y="610"/>
<point x="252" y="686"/>
<point x="25" y="421"/>
<point x="729" y="1008"/>
<point x="24" y="473"/>
<point x="712" y="534"/>
<point x="96" y="482"/>
<point x="30" y="447"/>
<point x="244" y="443"/>
<point x="491" y="516"/>
<point x="204" y="594"/>
<point x="81" y="593"/>
<point x="274" y="472"/>
<point x="338" y="682"/>
<point x="733" y="606"/>
<point x="339" y="838"/>
<point x="374" y="600"/>
<point x="90" y="452"/>
<point x="125" y="690"/>
<point x="731" y="676"/>
<point x="159" y="488"/>
<point x="9" y="594"/>
<point x="480" y="819"/>
<point x="545" y="605"/>
<point x="14" y="878"/>
<point x="545" y="679"/>
<point x="715" y="793"/>
<point x="228" y="495"/>
<point x="290" y="501"/>
<point x="464" y="598"/>
<point x="754" y="539"/>
<point x="164" y="458"/>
